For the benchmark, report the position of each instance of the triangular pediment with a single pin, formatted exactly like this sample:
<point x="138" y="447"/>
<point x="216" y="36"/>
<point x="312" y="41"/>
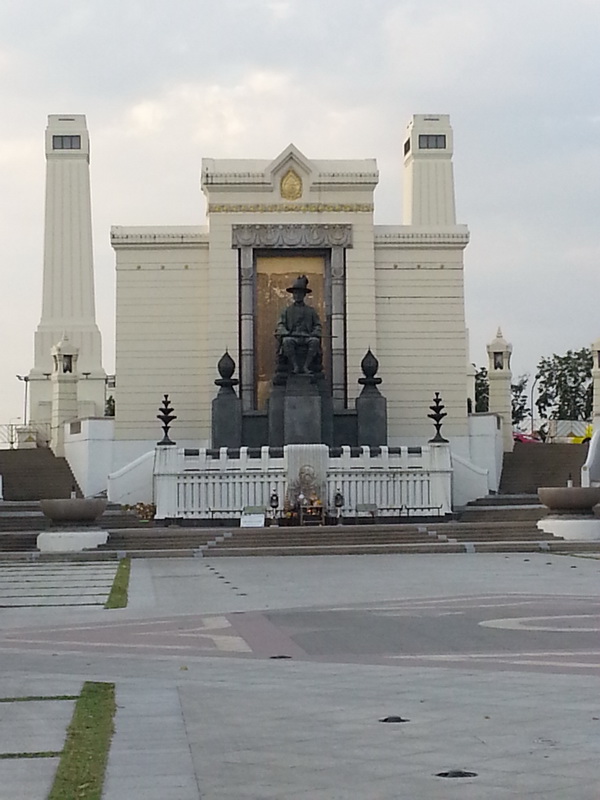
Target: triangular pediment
<point x="290" y="174"/>
<point x="290" y="158"/>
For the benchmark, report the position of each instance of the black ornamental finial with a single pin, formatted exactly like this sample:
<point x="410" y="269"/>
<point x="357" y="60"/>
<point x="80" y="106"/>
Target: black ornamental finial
<point x="226" y="367"/>
<point x="369" y="366"/>
<point x="166" y="416"/>
<point x="437" y="416"/>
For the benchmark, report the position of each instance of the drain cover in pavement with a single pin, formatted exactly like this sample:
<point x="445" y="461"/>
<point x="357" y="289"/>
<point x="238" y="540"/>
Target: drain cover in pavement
<point x="456" y="773"/>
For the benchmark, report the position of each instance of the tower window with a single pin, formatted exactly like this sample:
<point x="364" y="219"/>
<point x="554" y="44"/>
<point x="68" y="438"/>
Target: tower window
<point x="432" y="141"/>
<point x="66" y="142"/>
<point x="407" y="147"/>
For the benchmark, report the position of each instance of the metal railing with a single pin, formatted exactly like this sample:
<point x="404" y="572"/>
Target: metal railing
<point x="11" y="434"/>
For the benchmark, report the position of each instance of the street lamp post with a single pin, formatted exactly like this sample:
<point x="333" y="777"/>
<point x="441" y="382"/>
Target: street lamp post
<point x="25" y="379"/>
<point x="532" y="391"/>
<point x="12" y="433"/>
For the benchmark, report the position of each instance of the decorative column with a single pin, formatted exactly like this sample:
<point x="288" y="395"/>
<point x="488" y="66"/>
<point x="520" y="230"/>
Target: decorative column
<point x="64" y="381"/>
<point x="247" y="281"/>
<point x="499" y="375"/>
<point x="338" y="328"/>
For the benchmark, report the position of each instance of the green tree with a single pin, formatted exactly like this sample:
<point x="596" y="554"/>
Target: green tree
<point x="520" y="409"/>
<point x="109" y="407"/>
<point x="482" y="390"/>
<point x="565" y="385"/>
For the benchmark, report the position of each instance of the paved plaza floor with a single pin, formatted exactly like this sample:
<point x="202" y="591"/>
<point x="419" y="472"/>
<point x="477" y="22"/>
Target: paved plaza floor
<point x="269" y="677"/>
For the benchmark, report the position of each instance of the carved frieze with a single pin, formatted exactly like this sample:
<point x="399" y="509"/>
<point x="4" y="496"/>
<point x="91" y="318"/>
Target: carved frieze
<point x="293" y="236"/>
<point x="304" y="208"/>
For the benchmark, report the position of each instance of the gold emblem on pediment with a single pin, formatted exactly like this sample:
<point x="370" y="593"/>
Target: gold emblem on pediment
<point x="291" y="185"/>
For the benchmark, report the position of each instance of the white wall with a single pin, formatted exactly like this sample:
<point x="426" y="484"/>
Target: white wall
<point x="421" y="332"/>
<point x="487" y="449"/>
<point x="88" y="449"/>
<point x="161" y="330"/>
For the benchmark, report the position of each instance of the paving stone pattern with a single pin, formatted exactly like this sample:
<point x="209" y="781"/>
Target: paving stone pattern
<point x="58" y="584"/>
<point x="32" y="726"/>
<point x="197" y="721"/>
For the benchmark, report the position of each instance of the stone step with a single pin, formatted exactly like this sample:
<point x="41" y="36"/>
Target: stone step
<point x="511" y="514"/>
<point x="381" y="537"/>
<point x="475" y="546"/>
<point x="530" y="466"/>
<point x="505" y="500"/>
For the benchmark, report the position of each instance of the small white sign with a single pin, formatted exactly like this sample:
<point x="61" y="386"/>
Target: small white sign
<point x="252" y="520"/>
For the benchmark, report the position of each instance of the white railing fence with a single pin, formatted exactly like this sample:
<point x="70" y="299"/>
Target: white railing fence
<point x="217" y="495"/>
<point x="394" y="492"/>
<point x="201" y="484"/>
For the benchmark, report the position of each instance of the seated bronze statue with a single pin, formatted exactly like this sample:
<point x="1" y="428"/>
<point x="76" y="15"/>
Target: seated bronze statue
<point x="299" y="331"/>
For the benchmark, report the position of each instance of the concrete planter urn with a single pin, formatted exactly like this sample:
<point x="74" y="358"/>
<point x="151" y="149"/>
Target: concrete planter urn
<point x="570" y="499"/>
<point x="571" y="512"/>
<point x="73" y="510"/>
<point x="72" y="520"/>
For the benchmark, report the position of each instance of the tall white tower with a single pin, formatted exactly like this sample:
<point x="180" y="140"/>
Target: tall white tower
<point x="68" y="303"/>
<point x="428" y="174"/>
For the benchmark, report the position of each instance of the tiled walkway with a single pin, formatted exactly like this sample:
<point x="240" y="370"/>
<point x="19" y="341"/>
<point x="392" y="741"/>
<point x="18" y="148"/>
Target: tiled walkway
<point x="493" y="661"/>
<point x="55" y="584"/>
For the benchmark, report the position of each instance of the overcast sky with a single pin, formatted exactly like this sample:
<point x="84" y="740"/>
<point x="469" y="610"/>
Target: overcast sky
<point x="165" y="84"/>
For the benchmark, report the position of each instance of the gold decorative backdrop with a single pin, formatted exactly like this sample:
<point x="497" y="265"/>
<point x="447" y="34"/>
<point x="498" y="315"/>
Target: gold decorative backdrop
<point x="273" y="275"/>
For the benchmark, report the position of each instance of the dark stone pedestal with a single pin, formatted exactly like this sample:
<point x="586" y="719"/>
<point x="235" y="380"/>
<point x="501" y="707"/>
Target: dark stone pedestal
<point x="371" y="412"/>
<point x="275" y="416"/>
<point x="226" y="420"/>
<point x="301" y="411"/>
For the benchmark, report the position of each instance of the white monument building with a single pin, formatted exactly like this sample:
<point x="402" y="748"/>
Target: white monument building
<point x="188" y="294"/>
<point x="185" y="295"/>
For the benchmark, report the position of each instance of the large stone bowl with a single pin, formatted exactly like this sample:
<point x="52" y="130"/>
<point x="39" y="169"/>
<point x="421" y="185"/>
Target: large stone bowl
<point x="73" y="510"/>
<point x="574" y="500"/>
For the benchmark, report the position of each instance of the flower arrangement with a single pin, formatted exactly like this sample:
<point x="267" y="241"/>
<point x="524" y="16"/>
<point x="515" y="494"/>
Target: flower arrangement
<point x="145" y="511"/>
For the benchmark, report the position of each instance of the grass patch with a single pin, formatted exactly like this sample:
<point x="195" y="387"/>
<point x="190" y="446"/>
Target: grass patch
<point x="118" y="596"/>
<point x="80" y="773"/>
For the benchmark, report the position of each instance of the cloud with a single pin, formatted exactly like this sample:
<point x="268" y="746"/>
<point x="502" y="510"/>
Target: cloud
<point x="163" y="85"/>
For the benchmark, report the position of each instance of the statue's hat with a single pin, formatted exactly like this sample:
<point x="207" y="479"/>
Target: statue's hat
<point x="301" y="283"/>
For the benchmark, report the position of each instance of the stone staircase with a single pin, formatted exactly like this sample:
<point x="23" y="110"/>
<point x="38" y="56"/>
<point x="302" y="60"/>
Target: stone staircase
<point x="501" y="523"/>
<point x="156" y="540"/>
<point x="447" y="537"/>
<point x="530" y="466"/>
<point x="20" y="524"/>
<point x="35" y="474"/>
<point x="514" y="508"/>
<point x="151" y="541"/>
